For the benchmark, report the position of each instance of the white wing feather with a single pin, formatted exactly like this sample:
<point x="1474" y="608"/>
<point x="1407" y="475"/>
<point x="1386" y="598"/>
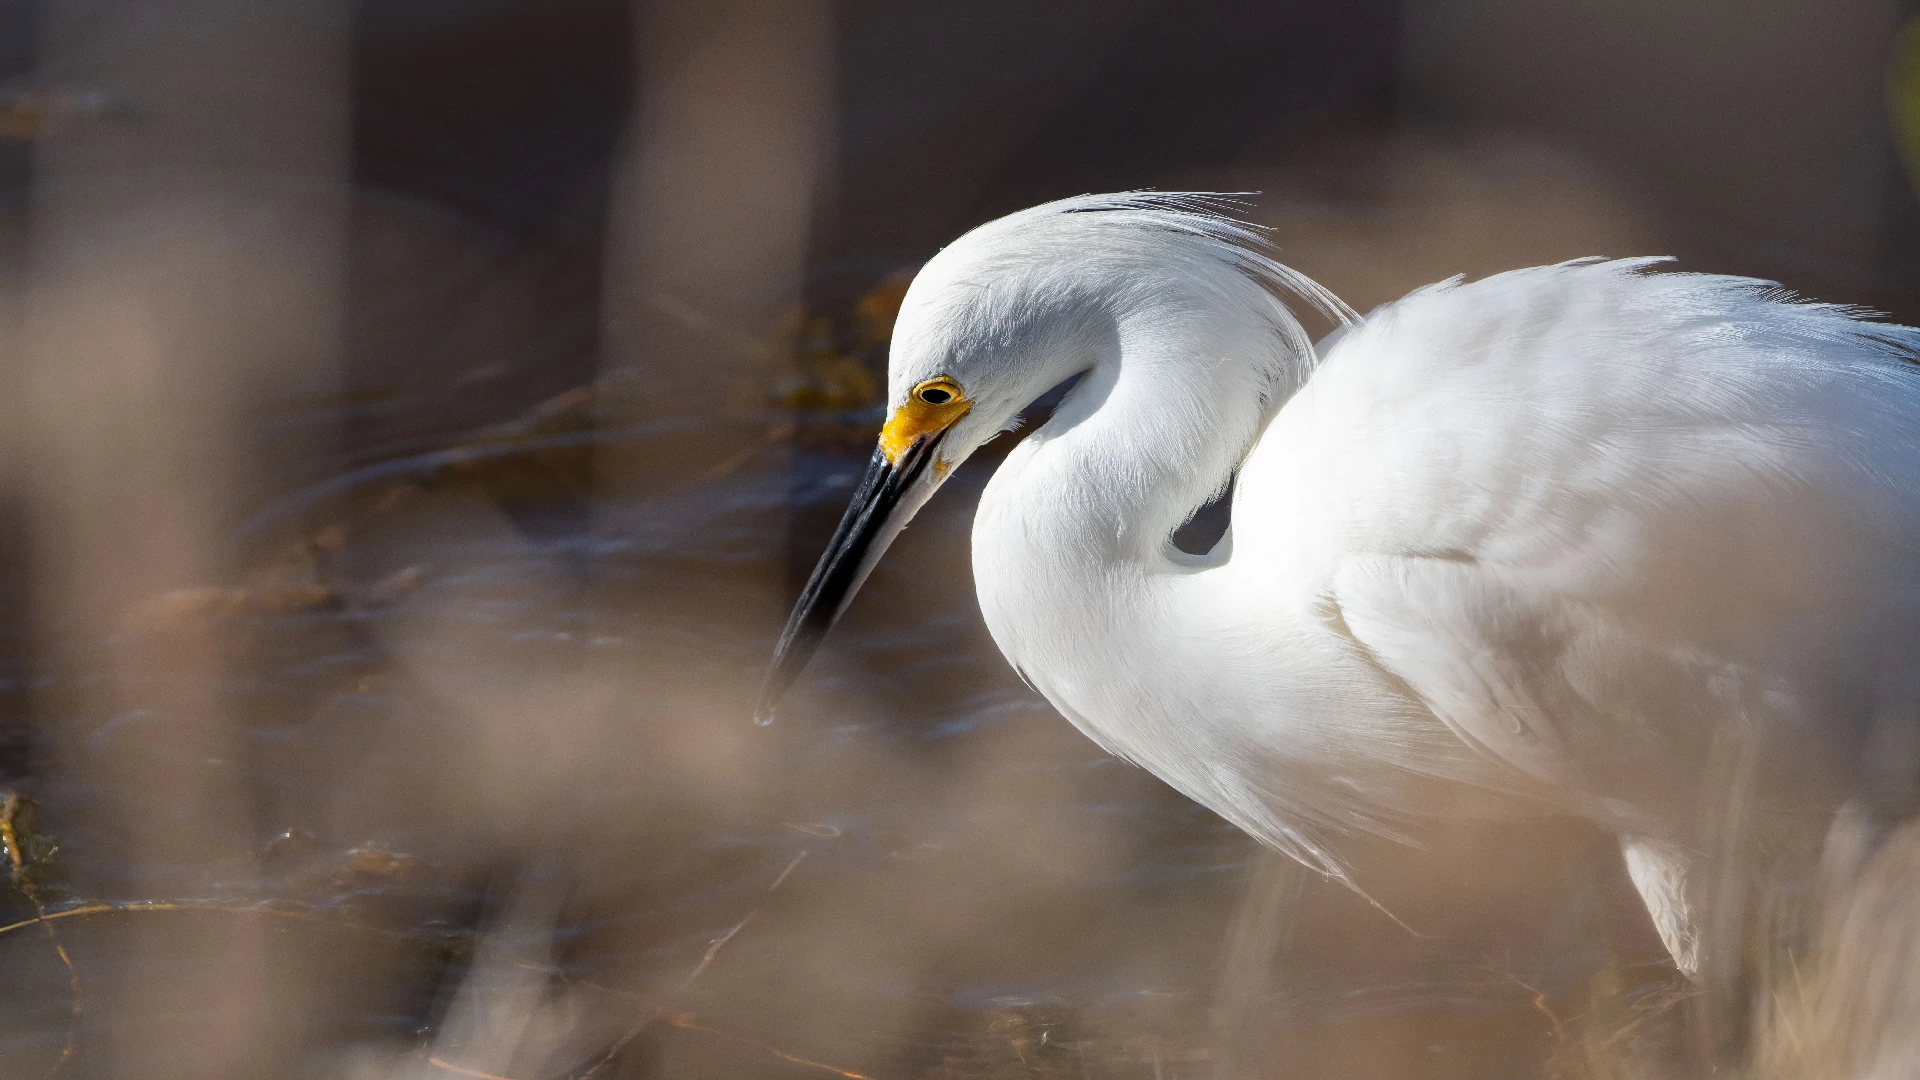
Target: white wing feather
<point x="1597" y="518"/>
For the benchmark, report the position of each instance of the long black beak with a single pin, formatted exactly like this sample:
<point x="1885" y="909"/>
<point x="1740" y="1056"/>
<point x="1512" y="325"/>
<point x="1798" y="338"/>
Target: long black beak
<point x="888" y="496"/>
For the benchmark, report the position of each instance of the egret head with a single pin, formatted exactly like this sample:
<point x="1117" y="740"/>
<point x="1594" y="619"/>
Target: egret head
<point x="1001" y="316"/>
<point x="979" y="336"/>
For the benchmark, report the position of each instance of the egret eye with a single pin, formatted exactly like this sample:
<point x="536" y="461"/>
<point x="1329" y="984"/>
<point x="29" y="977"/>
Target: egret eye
<point x="934" y="395"/>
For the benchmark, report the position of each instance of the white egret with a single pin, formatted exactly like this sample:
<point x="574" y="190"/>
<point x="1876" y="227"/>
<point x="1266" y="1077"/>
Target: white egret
<point x="1588" y="536"/>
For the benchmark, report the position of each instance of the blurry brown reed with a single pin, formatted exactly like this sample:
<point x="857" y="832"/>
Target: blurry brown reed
<point x="1847" y="1007"/>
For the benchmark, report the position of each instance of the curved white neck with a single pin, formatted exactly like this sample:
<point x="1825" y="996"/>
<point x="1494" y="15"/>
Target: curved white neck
<point x="1072" y="548"/>
<point x="1146" y="437"/>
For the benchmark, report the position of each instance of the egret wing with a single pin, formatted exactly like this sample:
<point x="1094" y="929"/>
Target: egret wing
<point x="1596" y="518"/>
<point x="1588" y="712"/>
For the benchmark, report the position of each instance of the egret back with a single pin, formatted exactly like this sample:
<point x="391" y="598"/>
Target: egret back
<point x="1612" y="527"/>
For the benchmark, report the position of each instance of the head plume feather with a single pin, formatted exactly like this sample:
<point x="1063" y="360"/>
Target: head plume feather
<point x="1207" y="216"/>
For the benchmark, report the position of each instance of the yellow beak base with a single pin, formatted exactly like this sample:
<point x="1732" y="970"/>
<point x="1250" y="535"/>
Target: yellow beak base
<point x="919" y="417"/>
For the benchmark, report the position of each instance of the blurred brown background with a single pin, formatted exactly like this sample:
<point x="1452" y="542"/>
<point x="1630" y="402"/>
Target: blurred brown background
<point x="416" y="415"/>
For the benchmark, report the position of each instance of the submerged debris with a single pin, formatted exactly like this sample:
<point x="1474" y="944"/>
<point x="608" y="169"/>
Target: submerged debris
<point x="289" y="844"/>
<point x="1016" y="1039"/>
<point x="28" y="854"/>
<point x="875" y="312"/>
<point x="394" y="586"/>
<point x="840" y="357"/>
<point x="373" y="861"/>
<point x="29" y="858"/>
<point x="213" y="604"/>
<point x="31" y="113"/>
<point x="1903" y="98"/>
<point x="830" y="377"/>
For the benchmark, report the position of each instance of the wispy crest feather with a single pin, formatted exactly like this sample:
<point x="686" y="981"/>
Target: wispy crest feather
<point x="1205" y="216"/>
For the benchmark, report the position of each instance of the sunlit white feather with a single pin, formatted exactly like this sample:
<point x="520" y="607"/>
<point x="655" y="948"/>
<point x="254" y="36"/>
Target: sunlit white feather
<point x="1557" y="537"/>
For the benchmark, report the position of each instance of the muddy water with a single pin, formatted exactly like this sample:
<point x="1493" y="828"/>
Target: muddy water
<point x="510" y="816"/>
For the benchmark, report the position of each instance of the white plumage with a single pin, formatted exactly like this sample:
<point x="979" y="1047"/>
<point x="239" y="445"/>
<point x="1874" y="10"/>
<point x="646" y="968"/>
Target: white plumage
<point x="1623" y="542"/>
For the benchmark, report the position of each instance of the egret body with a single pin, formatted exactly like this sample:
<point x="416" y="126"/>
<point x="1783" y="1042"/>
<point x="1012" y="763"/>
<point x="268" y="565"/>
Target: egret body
<point x="1590" y="537"/>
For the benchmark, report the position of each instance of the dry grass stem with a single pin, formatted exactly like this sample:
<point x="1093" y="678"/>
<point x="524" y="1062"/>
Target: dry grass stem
<point x="459" y="1071"/>
<point x="687" y="1022"/>
<point x="706" y="960"/>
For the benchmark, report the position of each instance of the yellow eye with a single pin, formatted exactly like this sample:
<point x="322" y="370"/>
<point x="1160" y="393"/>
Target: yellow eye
<point x="939" y="390"/>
